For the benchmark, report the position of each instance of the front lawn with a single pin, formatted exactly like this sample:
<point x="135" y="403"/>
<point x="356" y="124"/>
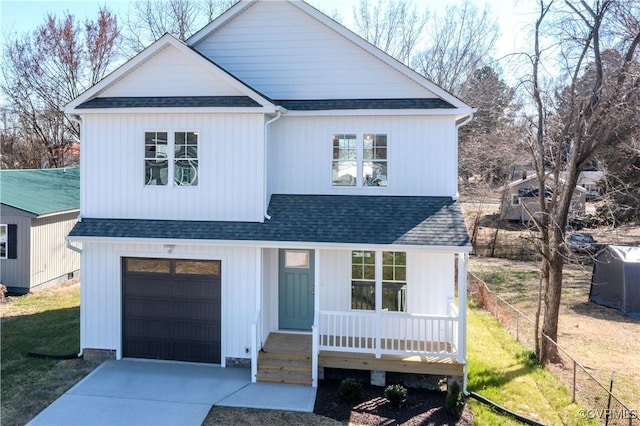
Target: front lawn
<point x="48" y="322"/>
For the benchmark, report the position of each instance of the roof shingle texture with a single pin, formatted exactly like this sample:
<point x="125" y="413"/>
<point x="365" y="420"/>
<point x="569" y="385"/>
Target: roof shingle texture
<point x="41" y="191"/>
<point x="169" y="102"/>
<point x="425" y="221"/>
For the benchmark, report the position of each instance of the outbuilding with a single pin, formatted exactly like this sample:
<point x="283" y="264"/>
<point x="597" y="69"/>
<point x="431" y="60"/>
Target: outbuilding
<point x="616" y="279"/>
<point x="38" y="208"/>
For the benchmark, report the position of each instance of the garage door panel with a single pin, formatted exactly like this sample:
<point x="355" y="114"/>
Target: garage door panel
<point x="172" y="316"/>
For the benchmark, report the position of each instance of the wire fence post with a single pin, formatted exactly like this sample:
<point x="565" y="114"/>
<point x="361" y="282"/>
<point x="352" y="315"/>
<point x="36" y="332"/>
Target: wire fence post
<point x="573" y="396"/>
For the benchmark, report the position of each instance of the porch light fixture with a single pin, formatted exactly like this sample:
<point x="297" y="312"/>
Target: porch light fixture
<point x="169" y="247"/>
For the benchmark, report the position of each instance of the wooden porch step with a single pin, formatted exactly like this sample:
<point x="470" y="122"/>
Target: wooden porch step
<point x="284" y="363"/>
<point x="286" y="358"/>
<point x="285" y="377"/>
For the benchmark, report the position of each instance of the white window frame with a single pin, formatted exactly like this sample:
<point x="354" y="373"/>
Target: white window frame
<point x="515" y="200"/>
<point x="4" y="239"/>
<point x="172" y="159"/>
<point x="360" y="160"/>
<point x="378" y="282"/>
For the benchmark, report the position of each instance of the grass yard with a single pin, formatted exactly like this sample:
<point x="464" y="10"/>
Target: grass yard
<point x="47" y="322"/>
<point x="501" y="370"/>
<point x="600" y="338"/>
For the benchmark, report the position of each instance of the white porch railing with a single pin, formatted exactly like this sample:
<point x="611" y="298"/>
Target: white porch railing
<point x="256" y="344"/>
<point x="389" y="333"/>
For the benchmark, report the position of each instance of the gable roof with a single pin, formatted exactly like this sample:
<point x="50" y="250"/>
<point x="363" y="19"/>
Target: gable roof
<point x="41" y="192"/>
<point x="345" y="35"/>
<point x="411" y="221"/>
<point x="533" y="177"/>
<point x="84" y="101"/>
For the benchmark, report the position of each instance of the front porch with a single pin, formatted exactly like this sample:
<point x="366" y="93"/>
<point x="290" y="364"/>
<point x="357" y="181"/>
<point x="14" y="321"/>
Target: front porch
<point x="287" y="358"/>
<point x="410" y="325"/>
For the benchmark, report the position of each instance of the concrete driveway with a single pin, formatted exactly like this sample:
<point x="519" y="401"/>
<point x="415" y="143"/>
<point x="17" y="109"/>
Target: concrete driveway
<point x="142" y="392"/>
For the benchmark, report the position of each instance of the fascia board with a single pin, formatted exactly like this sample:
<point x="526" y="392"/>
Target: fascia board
<point x="274" y="244"/>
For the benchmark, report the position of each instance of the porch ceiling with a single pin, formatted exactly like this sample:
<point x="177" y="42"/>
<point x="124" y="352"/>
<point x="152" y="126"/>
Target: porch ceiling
<point x="343" y="219"/>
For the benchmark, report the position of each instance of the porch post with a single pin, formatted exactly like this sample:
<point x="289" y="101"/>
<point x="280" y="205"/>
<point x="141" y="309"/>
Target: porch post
<point x="462" y="309"/>
<point x="378" y="324"/>
<point x="315" y="335"/>
<point x="256" y="327"/>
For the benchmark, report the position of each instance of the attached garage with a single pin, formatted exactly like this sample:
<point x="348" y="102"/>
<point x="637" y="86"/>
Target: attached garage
<point x="171" y="309"/>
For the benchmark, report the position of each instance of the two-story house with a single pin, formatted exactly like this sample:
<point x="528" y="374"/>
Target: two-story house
<point x="274" y="178"/>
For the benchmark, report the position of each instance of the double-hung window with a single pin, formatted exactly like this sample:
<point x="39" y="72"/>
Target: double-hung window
<point x="365" y="280"/>
<point x="3" y="241"/>
<point x="374" y="164"/>
<point x="8" y="241"/>
<point x="171" y="159"/>
<point x="359" y="160"/>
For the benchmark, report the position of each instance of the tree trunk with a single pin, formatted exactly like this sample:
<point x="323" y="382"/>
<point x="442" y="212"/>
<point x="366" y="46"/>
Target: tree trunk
<point x="548" y="350"/>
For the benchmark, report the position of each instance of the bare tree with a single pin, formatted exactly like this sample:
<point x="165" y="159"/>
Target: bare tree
<point x="564" y="141"/>
<point x="394" y="26"/>
<point x="148" y="20"/>
<point x="42" y="72"/>
<point x="459" y="43"/>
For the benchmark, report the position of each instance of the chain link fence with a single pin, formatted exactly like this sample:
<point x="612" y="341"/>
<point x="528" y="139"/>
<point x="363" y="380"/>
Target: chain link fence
<point x="603" y="405"/>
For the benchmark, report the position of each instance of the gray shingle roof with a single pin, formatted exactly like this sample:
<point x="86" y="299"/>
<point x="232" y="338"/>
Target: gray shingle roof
<point x="337" y="104"/>
<point x="169" y="101"/>
<point x="429" y="221"/>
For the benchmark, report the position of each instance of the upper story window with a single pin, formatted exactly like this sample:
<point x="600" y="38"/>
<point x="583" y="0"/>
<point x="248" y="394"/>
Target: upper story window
<point x="159" y="147"/>
<point x="374" y="164"/>
<point x="345" y="167"/>
<point x="359" y="161"/>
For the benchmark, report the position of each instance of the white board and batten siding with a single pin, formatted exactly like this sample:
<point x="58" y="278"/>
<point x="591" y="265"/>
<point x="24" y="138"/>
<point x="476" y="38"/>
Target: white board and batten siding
<point x="101" y="308"/>
<point x="429" y="283"/>
<point x="171" y="73"/>
<point x="286" y="54"/>
<point x="422" y="154"/>
<point x="230" y="168"/>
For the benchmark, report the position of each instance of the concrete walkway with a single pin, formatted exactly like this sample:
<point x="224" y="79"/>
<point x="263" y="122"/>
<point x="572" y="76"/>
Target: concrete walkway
<point x="142" y="392"/>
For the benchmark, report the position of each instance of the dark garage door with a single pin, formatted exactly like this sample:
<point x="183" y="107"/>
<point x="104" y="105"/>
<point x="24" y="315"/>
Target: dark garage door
<point x="171" y="309"/>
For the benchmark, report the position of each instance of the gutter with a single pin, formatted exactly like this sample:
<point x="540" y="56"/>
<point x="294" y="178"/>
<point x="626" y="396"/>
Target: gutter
<point x="279" y="111"/>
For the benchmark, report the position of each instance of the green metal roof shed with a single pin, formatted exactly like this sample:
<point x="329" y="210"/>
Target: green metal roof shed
<point x="38" y="208"/>
<point x="41" y="192"/>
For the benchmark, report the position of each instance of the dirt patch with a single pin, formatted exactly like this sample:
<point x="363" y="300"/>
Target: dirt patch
<point x="423" y="407"/>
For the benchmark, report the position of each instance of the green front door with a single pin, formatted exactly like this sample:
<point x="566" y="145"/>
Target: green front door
<point x="296" y="289"/>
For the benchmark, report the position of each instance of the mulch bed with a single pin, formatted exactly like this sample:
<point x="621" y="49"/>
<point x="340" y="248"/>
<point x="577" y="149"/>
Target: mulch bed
<point x="423" y="407"/>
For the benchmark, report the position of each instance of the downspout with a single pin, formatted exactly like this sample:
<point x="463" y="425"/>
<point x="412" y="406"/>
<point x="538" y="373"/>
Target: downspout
<point x="279" y="112"/>
<point x="458" y="125"/>
<point x="77" y="119"/>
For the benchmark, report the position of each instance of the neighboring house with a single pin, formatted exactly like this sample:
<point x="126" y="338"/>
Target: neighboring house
<point x="274" y="177"/>
<point x="520" y="199"/>
<point x="589" y="180"/>
<point x="38" y="209"/>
